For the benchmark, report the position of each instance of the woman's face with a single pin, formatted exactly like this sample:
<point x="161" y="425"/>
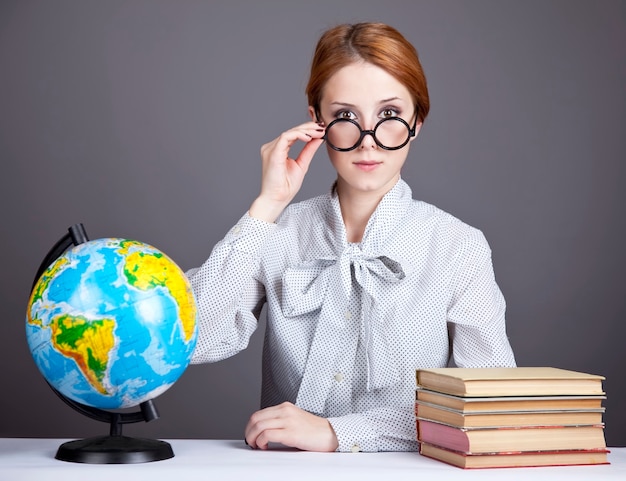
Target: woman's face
<point x="366" y="93"/>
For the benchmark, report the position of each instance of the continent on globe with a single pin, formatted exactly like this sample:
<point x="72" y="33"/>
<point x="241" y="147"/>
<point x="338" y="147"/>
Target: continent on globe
<point x="148" y="270"/>
<point x="88" y="342"/>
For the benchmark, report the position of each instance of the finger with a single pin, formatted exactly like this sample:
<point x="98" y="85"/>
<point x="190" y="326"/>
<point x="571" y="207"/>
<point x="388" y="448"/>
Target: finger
<point x="307" y="153"/>
<point x="255" y="436"/>
<point x="269" y="412"/>
<point x="304" y="132"/>
<point x="264" y="419"/>
<point x="272" y="436"/>
<point x="305" y="135"/>
<point x="270" y="418"/>
<point x="278" y="150"/>
<point x="308" y="126"/>
<point x="310" y="130"/>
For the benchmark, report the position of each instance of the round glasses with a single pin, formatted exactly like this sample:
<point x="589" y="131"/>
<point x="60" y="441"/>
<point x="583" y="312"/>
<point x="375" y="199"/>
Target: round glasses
<point x="391" y="133"/>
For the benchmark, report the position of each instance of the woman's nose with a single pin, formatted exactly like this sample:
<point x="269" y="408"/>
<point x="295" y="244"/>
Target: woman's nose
<point x="368" y="141"/>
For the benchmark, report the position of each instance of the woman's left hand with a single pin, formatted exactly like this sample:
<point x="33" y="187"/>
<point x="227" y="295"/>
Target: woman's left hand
<point x="291" y="426"/>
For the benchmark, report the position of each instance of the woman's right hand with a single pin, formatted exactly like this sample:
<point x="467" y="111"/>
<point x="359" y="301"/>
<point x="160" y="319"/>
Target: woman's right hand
<point x="282" y="176"/>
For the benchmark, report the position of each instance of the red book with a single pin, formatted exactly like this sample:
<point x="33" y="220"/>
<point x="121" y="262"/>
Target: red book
<point x="505" y="439"/>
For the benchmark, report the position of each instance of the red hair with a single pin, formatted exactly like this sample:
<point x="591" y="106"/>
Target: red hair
<point x="375" y="43"/>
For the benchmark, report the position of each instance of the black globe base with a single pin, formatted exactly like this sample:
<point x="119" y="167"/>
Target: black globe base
<point x="114" y="450"/>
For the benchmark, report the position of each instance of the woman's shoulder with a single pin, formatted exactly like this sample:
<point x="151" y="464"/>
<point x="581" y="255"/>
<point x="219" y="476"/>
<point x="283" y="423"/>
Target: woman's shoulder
<point x="443" y="224"/>
<point x="422" y="211"/>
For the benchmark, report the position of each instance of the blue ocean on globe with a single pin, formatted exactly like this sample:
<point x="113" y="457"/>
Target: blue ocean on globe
<point x="112" y="323"/>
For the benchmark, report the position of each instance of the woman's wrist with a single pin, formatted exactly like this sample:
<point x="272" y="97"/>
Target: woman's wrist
<point x="266" y="209"/>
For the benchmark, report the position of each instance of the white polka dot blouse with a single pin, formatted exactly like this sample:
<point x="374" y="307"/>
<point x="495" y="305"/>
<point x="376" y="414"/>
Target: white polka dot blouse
<point x="349" y="324"/>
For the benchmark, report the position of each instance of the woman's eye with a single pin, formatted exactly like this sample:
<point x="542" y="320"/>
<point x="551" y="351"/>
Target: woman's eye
<point x="346" y="115"/>
<point x="388" y="113"/>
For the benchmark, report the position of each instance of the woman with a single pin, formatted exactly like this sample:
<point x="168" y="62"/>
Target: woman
<point x="363" y="285"/>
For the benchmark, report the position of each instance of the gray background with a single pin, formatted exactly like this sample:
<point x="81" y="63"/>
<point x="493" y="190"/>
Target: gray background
<point x="144" y="119"/>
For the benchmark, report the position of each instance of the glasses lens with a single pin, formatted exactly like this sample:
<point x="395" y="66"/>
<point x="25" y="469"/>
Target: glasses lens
<point x="343" y="134"/>
<point x="392" y="133"/>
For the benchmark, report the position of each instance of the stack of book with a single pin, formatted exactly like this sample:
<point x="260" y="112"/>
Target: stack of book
<point x="510" y="417"/>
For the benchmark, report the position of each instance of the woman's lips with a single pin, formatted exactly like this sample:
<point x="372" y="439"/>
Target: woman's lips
<point x="367" y="165"/>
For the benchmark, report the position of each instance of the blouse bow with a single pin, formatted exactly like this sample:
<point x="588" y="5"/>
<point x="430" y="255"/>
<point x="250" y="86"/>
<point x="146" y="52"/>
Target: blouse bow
<point x="326" y="284"/>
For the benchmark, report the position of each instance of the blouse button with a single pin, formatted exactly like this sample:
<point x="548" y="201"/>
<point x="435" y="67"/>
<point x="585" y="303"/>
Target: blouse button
<point x="338" y="377"/>
<point x="355" y="448"/>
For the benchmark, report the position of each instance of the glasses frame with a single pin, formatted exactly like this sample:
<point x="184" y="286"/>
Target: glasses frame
<point x="371" y="132"/>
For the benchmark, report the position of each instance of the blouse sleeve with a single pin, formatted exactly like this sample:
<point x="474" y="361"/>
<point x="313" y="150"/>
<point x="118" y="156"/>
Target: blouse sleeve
<point x="228" y="295"/>
<point x="381" y="429"/>
<point x="476" y="315"/>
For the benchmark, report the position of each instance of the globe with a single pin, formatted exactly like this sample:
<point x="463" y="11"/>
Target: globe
<point x="111" y="323"/>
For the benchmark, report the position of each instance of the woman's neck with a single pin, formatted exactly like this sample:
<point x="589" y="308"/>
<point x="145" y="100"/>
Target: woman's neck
<point x="356" y="209"/>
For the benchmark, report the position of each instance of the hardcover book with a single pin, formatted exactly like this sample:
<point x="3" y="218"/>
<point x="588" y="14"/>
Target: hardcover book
<point x="513" y="381"/>
<point x="515" y="459"/>
<point x="431" y="412"/>
<point x="509" y="403"/>
<point x="525" y="438"/>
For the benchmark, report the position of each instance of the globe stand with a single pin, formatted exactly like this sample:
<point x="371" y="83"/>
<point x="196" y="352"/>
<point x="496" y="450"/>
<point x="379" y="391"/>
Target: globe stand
<point x="114" y="448"/>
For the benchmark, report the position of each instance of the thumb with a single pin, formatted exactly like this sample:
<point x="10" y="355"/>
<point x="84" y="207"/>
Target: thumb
<point x="307" y="153"/>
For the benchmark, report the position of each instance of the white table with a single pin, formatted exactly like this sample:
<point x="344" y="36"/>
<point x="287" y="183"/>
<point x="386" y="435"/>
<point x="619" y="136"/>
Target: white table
<point x="207" y="460"/>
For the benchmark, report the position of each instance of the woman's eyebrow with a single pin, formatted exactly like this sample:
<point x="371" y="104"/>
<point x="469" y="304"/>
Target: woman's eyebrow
<point x="343" y="104"/>
<point x="390" y="99"/>
<point x="380" y="102"/>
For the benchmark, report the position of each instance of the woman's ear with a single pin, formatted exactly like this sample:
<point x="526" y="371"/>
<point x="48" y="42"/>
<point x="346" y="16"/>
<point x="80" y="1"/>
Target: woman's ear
<point x="312" y="113"/>
<point x="418" y="126"/>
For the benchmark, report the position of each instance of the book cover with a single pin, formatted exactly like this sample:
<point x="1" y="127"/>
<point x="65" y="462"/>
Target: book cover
<point x="510" y="403"/>
<point x="427" y="411"/>
<point x="525" y="438"/>
<point x="512" y="381"/>
<point x="515" y="459"/>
